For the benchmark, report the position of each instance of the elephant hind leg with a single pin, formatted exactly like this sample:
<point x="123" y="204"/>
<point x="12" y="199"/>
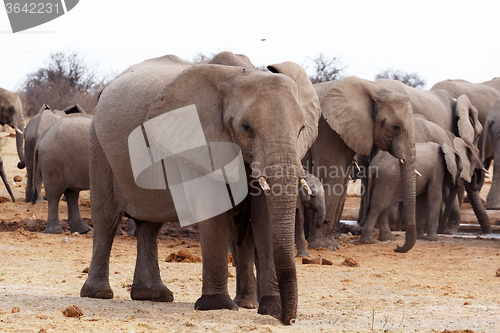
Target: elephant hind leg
<point x="105" y="217"/>
<point x="147" y="283"/>
<point x="53" y="224"/>
<point x="75" y="221"/>
<point x="383" y="226"/>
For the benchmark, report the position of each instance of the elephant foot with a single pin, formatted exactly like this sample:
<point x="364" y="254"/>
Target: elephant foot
<point x="386" y="236"/>
<point x="432" y="237"/>
<point x="302" y="253"/>
<point x="367" y="239"/>
<point x="103" y="291"/>
<point x="420" y="236"/>
<point x="215" y="302"/>
<point x="325" y="243"/>
<point x="269" y="305"/>
<point x="40" y="200"/>
<point x="159" y="294"/>
<point x="80" y="227"/>
<point x="54" y="229"/>
<point x="248" y="301"/>
<point x="450" y="231"/>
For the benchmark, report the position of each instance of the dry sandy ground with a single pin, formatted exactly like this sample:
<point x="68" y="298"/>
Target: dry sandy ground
<point x="450" y="284"/>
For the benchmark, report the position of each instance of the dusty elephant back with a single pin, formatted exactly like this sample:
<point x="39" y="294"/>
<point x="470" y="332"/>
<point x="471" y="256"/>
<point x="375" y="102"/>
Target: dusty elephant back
<point x="64" y="150"/>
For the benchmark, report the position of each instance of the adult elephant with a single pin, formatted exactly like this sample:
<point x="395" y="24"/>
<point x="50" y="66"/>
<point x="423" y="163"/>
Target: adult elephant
<point x="11" y="113"/>
<point x="492" y="137"/>
<point x="34" y="129"/>
<point x="234" y="105"/>
<point x="360" y="116"/>
<point x="61" y="156"/>
<point x="482" y="96"/>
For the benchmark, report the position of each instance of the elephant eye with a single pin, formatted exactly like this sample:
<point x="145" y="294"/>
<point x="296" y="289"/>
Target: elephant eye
<point x="302" y="128"/>
<point x="396" y="129"/>
<point x="11" y="111"/>
<point x="246" y="128"/>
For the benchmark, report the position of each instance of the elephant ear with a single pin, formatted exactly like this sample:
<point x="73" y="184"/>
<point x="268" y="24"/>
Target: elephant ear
<point x="47" y="118"/>
<point x="73" y="109"/>
<point x="453" y="162"/>
<point x="347" y="106"/>
<point x="308" y="100"/>
<point x="199" y="85"/>
<point x="465" y="154"/>
<point x="469" y="126"/>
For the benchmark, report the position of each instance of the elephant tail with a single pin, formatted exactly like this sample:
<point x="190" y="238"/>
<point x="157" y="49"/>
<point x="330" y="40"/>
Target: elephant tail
<point x="36" y="171"/>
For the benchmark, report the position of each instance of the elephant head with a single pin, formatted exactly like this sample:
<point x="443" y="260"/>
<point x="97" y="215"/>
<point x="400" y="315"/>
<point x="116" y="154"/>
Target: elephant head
<point x="468" y="124"/>
<point x="367" y="116"/>
<point x="273" y="118"/>
<point x="11" y="113"/>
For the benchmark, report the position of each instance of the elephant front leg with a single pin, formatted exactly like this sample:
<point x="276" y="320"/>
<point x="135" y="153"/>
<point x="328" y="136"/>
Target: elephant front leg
<point x="75" y="221"/>
<point x="147" y="283"/>
<point x="434" y="202"/>
<point x="213" y="239"/>
<point x="300" y="240"/>
<point x="269" y="295"/>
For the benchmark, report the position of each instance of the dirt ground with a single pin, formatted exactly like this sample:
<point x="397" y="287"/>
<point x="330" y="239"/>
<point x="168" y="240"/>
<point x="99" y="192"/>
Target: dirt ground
<point x="452" y="285"/>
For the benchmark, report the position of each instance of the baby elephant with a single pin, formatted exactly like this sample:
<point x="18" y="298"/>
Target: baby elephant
<point x="315" y="202"/>
<point x="62" y="156"/>
<point x="437" y="165"/>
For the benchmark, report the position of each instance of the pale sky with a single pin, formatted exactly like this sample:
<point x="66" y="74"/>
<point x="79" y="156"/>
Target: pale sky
<point x="438" y="39"/>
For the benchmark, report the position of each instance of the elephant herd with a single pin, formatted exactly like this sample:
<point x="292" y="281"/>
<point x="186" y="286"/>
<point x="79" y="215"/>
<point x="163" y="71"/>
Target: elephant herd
<point x="297" y="141"/>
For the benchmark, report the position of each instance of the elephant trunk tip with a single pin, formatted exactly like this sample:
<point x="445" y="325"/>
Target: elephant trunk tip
<point x="410" y="240"/>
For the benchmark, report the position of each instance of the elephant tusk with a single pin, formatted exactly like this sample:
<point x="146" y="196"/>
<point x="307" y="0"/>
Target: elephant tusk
<point x="418" y="173"/>
<point x="263" y="183"/>
<point x="401" y="161"/>
<point x="18" y="130"/>
<point x="486" y="172"/>
<point x="357" y="166"/>
<point x="305" y="186"/>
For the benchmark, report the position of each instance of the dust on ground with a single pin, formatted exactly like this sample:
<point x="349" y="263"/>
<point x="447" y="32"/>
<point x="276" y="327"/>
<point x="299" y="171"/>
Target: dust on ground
<point x="451" y="284"/>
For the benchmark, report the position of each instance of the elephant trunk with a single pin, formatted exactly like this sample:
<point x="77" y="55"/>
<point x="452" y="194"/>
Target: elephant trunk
<point x="20" y="140"/>
<point x="478" y="207"/>
<point x="449" y="204"/>
<point x="407" y="169"/>
<point x="321" y="214"/>
<point x="477" y="181"/>
<point x="281" y="201"/>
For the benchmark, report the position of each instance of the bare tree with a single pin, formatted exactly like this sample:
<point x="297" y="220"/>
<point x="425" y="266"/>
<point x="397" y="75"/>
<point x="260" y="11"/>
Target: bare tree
<point x="65" y="80"/>
<point x="327" y="69"/>
<point x="410" y="79"/>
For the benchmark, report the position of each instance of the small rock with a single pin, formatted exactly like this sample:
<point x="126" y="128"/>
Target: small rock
<point x="65" y="239"/>
<point x="350" y="262"/>
<point x="15" y="309"/>
<point x="43" y="330"/>
<point x="85" y="270"/>
<point x="498" y="272"/>
<point x="73" y="311"/>
<point x="326" y="262"/>
<point x="308" y="261"/>
<point x="76" y="234"/>
<point x="17" y="178"/>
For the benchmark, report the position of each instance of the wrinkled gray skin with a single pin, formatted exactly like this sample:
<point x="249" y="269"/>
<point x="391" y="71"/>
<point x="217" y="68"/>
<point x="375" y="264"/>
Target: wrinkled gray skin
<point x="11" y="113"/>
<point x="316" y="203"/>
<point x="234" y="105"/>
<point x="62" y="157"/>
<point x="434" y="162"/>
<point x="5" y="181"/>
<point x="482" y="95"/>
<point x="359" y="116"/>
<point x="34" y="128"/>
<point x="492" y="137"/>
<point x="426" y="131"/>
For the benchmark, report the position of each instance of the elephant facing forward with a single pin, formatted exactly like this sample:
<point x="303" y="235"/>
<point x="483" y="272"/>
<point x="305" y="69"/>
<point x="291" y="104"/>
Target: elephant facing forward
<point x="236" y="104"/>
<point x="437" y="164"/>
<point x="11" y="113"/>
